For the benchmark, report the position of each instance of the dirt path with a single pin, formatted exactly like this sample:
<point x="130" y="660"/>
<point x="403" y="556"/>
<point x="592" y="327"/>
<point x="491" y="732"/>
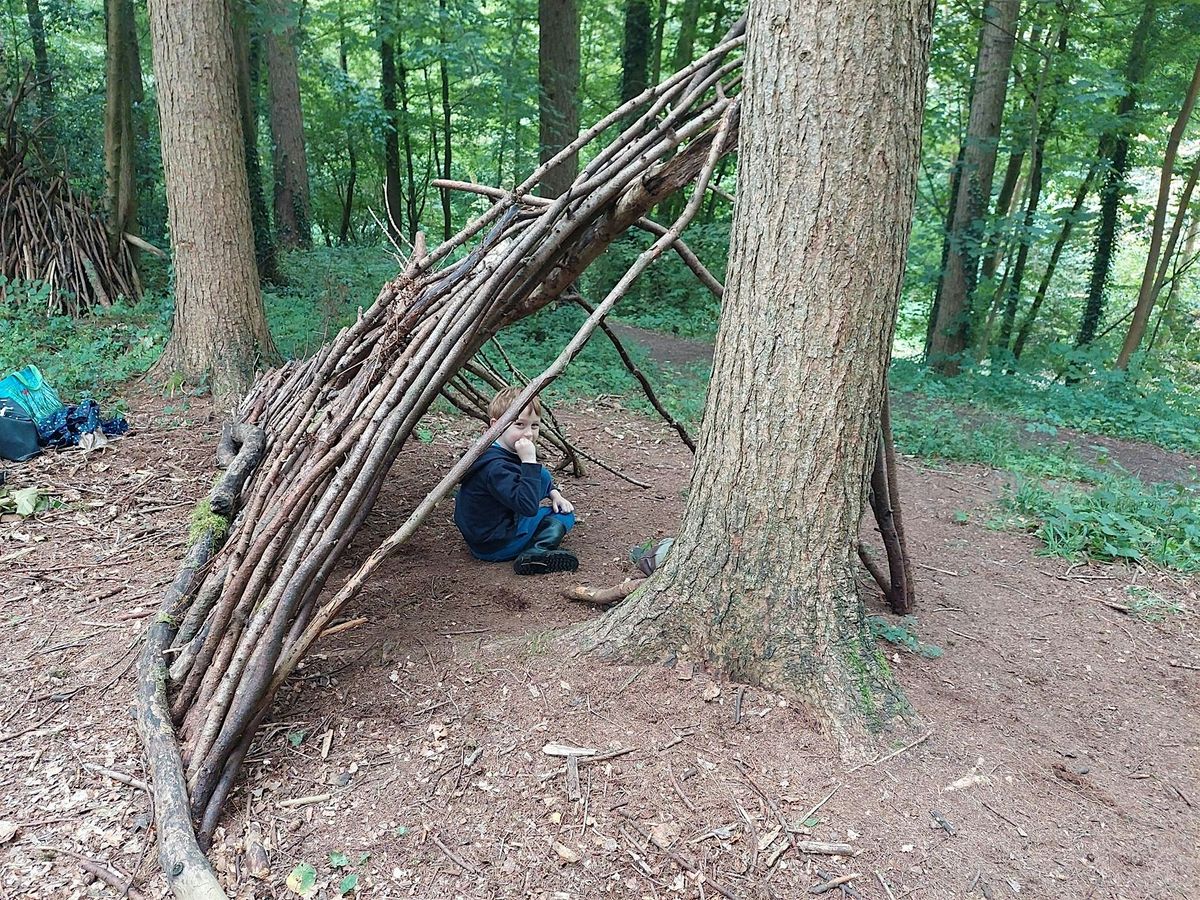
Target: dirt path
<point x="1075" y="726"/>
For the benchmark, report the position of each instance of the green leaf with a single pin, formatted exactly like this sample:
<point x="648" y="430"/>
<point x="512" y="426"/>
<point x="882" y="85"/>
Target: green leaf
<point x="402" y="830"/>
<point x="26" y="500"/>
<point x="295" y="738"/>
<point x="812" y="822"/>
<point x="347" y="884"/>
<point x="338" y="859"/>
<point x="362" y="858"/>
<point x="302" y="880"/>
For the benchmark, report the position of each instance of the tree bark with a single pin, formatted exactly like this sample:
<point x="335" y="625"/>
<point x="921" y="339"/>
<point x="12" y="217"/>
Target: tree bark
<point x="247" y="48"/>
<point x="41" y="65"/>
<point x="656" y="45"/>
<point x="394" y="201"/>
<point x="1147" y="294"/>
<point x="635" y="50"/>
<point x="685" y="44"/>
<point x="120" y="145"/>
<point x="292" y="219"/>
<point x="762" y="578"/>
<point x="952" y="330"/>
<point x="411" y="200"/>
<point x="219" y="331"/>
<point x="1114" y="147"/>
<point x="558" y="76"/>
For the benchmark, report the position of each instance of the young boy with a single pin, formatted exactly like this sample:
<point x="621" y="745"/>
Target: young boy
<point x="499" y="508"/>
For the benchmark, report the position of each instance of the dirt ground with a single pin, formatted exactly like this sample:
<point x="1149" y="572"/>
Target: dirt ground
<point x="1054" y="754"/>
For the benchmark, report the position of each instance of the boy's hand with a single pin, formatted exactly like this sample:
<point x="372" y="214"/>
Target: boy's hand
<point x="560" y="504"/>
<point x="526" y="450"/>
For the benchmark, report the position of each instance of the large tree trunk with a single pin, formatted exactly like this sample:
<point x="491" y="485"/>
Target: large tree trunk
<point x="120" y="145"/>
<point x="1147" y="294"/>
<point x="558" y="76"/>
<point x="219" y="331"/>
<point x="247" y="48"/>
<point x="952" y="330"/>
<point x="685" y="44"/>
<point x="761" y="581"/>
<point x="635" y="51"/>
<point x="1114" y="147"/>
<point x="287" y="130"/>
<point x="393" y="195"/>
<point x="41" y="65"/>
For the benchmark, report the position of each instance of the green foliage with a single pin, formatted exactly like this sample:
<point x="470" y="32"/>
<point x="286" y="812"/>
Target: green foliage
<point x="1157" y="408"/>
<point x="1118" y="519"/>
<point x="204" y="519"/>
<point x="1149" y="605"/>
<point x="88" y="357"/>
<point x="902" y="634"/>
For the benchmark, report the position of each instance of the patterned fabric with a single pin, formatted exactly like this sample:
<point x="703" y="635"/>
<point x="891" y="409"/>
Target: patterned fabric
<point x="65" y="427"/>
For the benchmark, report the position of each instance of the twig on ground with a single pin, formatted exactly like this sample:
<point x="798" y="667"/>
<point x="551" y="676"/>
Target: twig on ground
<point x="680" y="861"/>
<point x="885" y="886"/>
<point x="452" y="856"/>
<point x="109" y="876"/>
<point x="832" y="883"/>
<point x="741" y="767"/>
<point x="120" y="777"/>
<point x="905" y="748"/>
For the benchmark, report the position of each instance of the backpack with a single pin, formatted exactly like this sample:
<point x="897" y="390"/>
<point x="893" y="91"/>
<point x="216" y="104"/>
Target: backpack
<point x="18" y="433"/>
<point x="29" y="390"/>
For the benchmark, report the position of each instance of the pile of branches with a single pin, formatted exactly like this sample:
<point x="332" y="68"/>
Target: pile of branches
<point x="50" y="234"/>
<point x="247" y="606"/>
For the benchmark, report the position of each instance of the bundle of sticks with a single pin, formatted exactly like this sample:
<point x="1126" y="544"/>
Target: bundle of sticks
<point x="49" y="234"/>
<point x="246" y="609"/>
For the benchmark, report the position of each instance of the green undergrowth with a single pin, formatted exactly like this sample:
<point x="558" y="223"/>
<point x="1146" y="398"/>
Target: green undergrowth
<point x="1155" y="404"/>
<point x="1118" y="519"/>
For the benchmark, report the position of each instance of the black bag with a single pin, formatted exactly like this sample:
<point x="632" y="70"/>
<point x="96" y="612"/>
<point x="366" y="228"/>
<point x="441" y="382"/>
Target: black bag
<point x="18" y="434"/>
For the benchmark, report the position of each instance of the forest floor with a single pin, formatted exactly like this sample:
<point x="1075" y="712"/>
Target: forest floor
<point x="1055" y="754"/>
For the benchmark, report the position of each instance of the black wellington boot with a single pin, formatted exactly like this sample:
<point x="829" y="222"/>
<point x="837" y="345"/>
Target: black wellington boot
<point x="543" y="556"/>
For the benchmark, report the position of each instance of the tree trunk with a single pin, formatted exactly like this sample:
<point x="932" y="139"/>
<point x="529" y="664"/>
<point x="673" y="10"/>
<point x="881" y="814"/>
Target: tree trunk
<point x="952" y="330"/>
<point x="352" y="177"/>
<point x="1147" y="294"/>
<point x="287" y="130"/>
<point x="410" y="197"/>
<point x="762" y="578"/>
<point x="120" y="145"/>
<point x="393" y="195"/>
<point x="1013" y="292"/>
<point x="635" y="51"/>
<point x="41" y="65"/>
<point x="955" y="178"/>
<point x="558" y="76"/>
<point x="656" y="45"/>
<point x="685" y="44"/>
<point x="444" y="73"/>
<point x="247" y="48"/>
<point x="219" y="331"/>
<point x="1052" y="264"/>
<point x="1114" y="147"/>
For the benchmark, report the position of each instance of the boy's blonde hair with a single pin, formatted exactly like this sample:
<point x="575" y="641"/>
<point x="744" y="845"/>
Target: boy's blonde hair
<point x="504" y="399"/>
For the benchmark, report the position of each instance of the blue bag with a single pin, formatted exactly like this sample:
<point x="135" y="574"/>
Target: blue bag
<point x="28" y="389"/>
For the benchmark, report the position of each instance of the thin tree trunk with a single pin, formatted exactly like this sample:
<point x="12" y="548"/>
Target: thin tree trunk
<point x="352" y="177"/>
<point x="1013" y="292"/>
<point x="248" y="51"/>
<point x="936" y="306"/>
<point x="292" y="218"/>
<point x="1068" y="225"/>
<point x="1114" y="147"/>
<point x="1188" y="257"/>
<point x="952" y="331"/>
<point x="394" y="202"/>
<point x="219" y="333"/>
<point x="685" y="44"/>
<point x="656" y="45"/>
<point x="1146" y="294"/>
<point x="444" y="73"/>
<point x="41" y="65"/>
<point x="635" y="51"/>
<point x="761" y="581"/>
<point x="410" y="198"/>
<point x="120" y="144"/>
<point x="558" y="77"/>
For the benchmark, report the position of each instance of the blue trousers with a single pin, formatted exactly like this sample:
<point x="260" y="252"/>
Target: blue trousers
<point x="524" y="535"/>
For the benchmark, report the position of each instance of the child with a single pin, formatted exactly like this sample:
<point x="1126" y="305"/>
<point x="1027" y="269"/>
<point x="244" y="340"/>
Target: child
<point x="499" y="508"/>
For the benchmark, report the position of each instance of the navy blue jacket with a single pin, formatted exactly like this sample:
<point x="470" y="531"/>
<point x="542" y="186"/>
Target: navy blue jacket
<point x="499" y="500"/>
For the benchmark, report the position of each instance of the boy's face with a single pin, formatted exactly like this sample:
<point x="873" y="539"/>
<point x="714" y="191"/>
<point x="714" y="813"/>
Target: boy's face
<point x="527" y="425"/>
